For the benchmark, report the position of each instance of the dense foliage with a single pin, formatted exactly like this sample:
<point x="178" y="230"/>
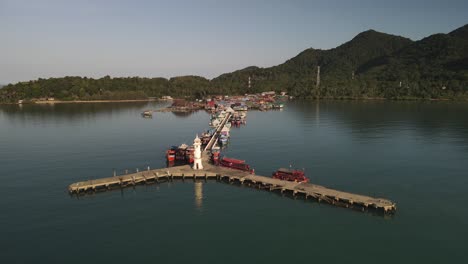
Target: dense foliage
<point x="371" y="65"/>
<point x="106" y="88"/>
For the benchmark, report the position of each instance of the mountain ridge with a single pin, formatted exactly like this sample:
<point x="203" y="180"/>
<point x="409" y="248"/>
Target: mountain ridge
<point x="372" y="64"/>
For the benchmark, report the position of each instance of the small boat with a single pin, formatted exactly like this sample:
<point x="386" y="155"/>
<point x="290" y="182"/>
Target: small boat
<point x="215" y="157"/>
<point x="170" y="154"/>
<point x="147" y="113"/>
<point x="278" y="106"/>
<point x="290" y="175"/>
<point x="223" y="139"/>
<point x="225" y="131"/>
<point x="215" y="148"/>
<point x="181" y="152"/>
<point x="214" y="123"/>
<point x="190" y="154"/>
<point x="205" y="138"/>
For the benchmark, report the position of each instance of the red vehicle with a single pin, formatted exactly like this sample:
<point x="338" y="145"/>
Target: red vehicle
<point x="235" y="164"/>
<point x="290" y="175"/>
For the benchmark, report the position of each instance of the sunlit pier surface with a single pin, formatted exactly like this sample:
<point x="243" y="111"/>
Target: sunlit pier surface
<point x="232" y="176"/>
<point x="222" y="174"/>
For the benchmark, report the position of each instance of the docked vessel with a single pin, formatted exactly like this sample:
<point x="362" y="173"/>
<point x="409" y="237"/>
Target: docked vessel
<point x="290" y="175"/>
<point x="223" y="139"/>
<point x="278" y="106"/>
<point x="235" y="164"/>
<point x="206" y="137"/>
<point x="182" y="154"/>
<point x="170" y="154"/>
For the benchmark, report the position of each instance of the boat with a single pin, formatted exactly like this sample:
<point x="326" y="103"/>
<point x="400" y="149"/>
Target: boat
<point x="240" y="108"/>
<point x="215" y="157"/>
<point x="205" y="138"/>
<point x="235" y="164"/>
<point x="225" y="131"/>
<point x="170" y="154"/>
<point x="215" y="148"/>
<point x="223" y="139"/>
<point x="290" y="175"/>
<point x="181" y="152"/>
<point x="214" y="123"/>
<point x="147" y="113"/>
<point x="278" y="106"/>
<point x="190" y="154"/>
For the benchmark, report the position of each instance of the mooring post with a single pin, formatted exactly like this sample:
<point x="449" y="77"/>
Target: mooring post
<point x="114" y="172"/>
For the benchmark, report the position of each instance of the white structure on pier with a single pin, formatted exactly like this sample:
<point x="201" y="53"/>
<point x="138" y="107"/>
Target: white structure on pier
<point x="197" y="161"/>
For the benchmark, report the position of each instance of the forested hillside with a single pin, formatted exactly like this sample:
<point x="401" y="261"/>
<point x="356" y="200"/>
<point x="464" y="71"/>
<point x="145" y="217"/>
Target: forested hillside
<point x="371" y="65"/>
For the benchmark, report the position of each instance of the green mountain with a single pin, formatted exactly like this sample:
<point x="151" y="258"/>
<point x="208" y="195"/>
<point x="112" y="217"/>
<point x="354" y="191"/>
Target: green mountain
<point x="436" y="66"/>
<point x="372" y="64"/>
<point x="298" y="75"/>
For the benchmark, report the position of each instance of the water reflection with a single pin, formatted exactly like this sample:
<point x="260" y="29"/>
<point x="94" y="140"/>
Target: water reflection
<point x="73" y="111"/>
<point x="369" y="119"/>
<point x="198" y="194"/>
<point x="183" y="114"/>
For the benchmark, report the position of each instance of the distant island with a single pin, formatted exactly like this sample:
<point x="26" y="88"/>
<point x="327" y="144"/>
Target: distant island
<point x="371" y="65"/>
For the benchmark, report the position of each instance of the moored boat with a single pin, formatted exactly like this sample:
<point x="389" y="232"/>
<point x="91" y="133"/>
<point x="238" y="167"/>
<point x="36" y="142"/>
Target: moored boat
<point x="235" y="164"/>
<point x="170" y="154"/>
<point x="278" y="106"/>
<point x="223" y="139"/>
<point x="290" y="175"/>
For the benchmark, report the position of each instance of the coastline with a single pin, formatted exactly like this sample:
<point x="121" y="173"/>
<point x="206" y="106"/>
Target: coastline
<point x="86" y="101"/>
<point x="315" y="99"/>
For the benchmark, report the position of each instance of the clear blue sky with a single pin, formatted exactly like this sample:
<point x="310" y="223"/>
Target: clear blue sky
<point x="54" y="38"/>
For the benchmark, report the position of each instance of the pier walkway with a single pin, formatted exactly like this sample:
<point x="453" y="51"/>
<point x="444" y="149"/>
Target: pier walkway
<point x="217" y="133"/>
<point x="232" y="176"/>
<point x="306" y="190"/>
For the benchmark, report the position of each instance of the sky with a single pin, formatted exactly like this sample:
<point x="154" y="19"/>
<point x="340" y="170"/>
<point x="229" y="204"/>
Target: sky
<point x="94" y="38"/>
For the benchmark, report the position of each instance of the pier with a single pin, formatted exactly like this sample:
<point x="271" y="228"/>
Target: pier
<point x="305" y="190"/>
<point x="210" y="172"/>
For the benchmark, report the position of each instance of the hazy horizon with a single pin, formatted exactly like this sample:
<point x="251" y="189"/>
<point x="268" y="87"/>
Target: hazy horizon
<point x="52" y="38"/>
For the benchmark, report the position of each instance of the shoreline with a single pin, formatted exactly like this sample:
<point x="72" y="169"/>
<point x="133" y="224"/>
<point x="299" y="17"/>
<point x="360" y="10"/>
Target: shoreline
<point x="312" y="99"/>
<point x="85" y="101"/>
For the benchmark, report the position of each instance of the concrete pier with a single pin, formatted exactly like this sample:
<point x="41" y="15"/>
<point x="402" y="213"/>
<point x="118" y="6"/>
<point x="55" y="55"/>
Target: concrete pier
<point x="305" y="190"/>
<point x="223" y="174"/>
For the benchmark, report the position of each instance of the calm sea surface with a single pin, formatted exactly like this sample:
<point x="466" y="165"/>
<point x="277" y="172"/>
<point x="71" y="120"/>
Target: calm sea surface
<point x="414" y="153"/>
